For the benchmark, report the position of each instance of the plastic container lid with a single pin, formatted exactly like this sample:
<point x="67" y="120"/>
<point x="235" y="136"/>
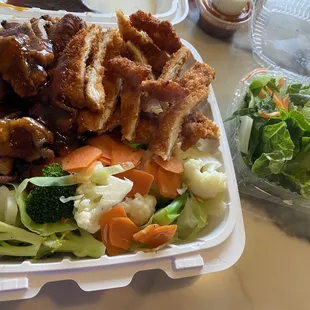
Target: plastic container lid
<point x="216" y="248"/>
<point x="280" y="35"/>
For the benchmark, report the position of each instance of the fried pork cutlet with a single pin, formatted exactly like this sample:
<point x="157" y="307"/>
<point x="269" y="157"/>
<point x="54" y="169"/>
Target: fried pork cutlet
<point x="155" y="57"/>
<point x="164" y="90"/>
<point x="68" y="78"/>
<point x="171" y="71"/>
<point x="135" y="53"/>
<point x="196" y="126"/>
<point x="62" y="31"/>
<point x="174" y="65"/>
<point x="94" y="91"/>
<point x="130" y="109"/>
<point x="162" y="33"/>
<point x="199" y="74"/>
<point x="145" y="130"/>
<point x="115" y="47"/>
<point x="197" y="80"/>
<point x="128" y="70"/>
<point x="114" y="121"/>
<point x="95" y="121"/>
<point x="133" y="74"/>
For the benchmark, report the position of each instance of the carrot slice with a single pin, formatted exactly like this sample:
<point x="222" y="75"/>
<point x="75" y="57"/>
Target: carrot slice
<point x="80" y="158"/>
<point x="143" y="234"/>
<point x="262" y="95"/>
<point x="281" y="83"/>
<point x="104" y="160"/>
<point x="151" y="167"/>
<point x="158" y="236"/>
<point x="269" y="91"/>
<point x="142" y="181"/>
<point x="168" y="183"/>
<point x="277" y="100"/>
<point x="285" y="102"/>
<point x="106" y="217"/>
<point x="268" y="115"/>
<point x="111" y="249"/>
<point x="104" y="143"/>
<point x="257" y="70"/>
<point x="122" y="153"/>
<point x="172" y="165"/>
<point x="104" y="220"/>
<point x="88" y="171"/>
<point x="121" y="231"/>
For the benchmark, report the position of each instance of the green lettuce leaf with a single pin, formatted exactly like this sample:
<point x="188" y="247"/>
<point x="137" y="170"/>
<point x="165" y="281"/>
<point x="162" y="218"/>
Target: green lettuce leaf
<point x="300" y="163"/>
<point x="301" y="181"/>
<point x="260" y="82"/>
<point x="255" y="138"/>
<point x="277" y="149"/>
<point x="297" y="125"/>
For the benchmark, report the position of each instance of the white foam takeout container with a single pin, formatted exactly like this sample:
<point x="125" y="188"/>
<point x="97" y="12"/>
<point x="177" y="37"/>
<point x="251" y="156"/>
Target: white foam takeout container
<point x="217" y="247"/>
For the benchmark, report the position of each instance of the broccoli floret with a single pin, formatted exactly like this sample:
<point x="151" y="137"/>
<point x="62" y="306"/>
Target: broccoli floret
<point x="54" y="170"/>
<point x="43" y="204"/>
<point x="16" y="241"/>
<point x="80" y="243"/>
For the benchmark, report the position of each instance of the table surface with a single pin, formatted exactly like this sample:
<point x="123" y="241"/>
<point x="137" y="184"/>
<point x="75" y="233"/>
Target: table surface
<point x="273" y="270"/>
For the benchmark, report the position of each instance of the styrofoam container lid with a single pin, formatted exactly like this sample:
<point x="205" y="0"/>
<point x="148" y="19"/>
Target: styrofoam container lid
<point x="280" y="35"/>
<point x="175" y="11"/>
<point x="217" y="247"/>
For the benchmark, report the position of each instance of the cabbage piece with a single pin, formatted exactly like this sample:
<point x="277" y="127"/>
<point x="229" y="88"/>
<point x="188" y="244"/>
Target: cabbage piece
<point x="41" y="229"/>
<point x="192" y="219"/>
<point x="245" y="133"/>
<point x="8" y="206"/>
<point x="101" y="174"/>
<point x="170" y="213"/>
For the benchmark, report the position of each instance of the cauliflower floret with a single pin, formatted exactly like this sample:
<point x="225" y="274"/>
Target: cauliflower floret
<point x="98" y="199"/>
<point x="202" y="177"/>
<point x="140" y="208"/>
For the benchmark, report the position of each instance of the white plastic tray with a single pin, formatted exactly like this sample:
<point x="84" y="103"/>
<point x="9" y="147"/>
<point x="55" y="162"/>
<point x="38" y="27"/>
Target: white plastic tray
<point x="175" y="14"/>
<point x="218" y="247"/>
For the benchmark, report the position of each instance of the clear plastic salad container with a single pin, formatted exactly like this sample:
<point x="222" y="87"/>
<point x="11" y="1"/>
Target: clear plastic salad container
<point x="217" y="247"/>
<point x="280" y="37"/>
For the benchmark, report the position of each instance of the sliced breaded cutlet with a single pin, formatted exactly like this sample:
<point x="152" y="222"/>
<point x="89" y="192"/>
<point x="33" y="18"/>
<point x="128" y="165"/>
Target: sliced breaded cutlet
<point x="68" y="78"/>
<point x="196" y="80"/>
<point x="162" y="33"/>
<point x="155" y="57"/>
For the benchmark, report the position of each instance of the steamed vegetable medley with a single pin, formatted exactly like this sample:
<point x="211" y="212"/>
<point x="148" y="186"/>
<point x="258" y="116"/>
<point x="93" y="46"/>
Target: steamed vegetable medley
<point x="274" y="134"/>
<point x="111" y="198"/>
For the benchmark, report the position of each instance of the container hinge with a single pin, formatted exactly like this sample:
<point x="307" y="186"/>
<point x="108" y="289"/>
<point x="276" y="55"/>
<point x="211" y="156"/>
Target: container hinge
<point x="13" y="284"/>
<point x="194" y="261"/>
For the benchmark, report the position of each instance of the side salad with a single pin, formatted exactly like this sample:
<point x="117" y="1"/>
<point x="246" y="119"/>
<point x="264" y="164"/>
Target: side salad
<point x="274" y="132"/>
<point x="110" y="198"/>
